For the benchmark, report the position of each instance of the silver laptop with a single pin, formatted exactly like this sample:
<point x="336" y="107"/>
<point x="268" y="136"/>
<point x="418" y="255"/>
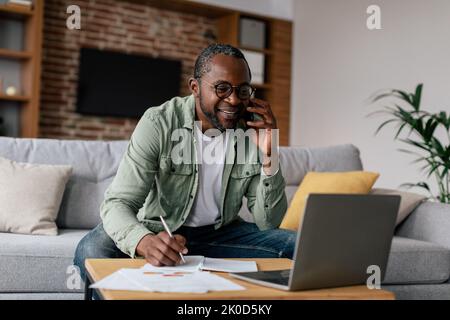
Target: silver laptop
<point x="340" y="237"/>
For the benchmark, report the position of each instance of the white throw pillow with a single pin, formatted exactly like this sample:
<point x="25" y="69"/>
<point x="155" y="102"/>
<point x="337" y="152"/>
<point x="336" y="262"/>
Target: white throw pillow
<point x="30" y="196"/>
<point x="409" y="201"/>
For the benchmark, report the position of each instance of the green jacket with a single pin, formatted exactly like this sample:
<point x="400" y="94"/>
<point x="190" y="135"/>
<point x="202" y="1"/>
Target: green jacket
<point x="149" y="183"/>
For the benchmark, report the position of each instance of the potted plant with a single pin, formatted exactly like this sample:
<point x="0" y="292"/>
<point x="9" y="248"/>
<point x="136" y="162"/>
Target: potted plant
<point x="421" y="129"/>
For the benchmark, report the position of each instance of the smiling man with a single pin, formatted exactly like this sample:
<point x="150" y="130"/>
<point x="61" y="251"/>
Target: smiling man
<point x="199" y="200"/>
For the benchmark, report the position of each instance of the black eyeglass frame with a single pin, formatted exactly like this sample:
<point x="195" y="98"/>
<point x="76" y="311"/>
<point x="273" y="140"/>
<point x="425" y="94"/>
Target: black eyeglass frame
<point x="215" y="86"/>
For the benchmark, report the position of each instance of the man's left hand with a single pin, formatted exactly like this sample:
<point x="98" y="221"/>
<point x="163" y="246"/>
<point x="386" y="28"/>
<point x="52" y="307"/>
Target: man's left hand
<point x="267" y="122"/>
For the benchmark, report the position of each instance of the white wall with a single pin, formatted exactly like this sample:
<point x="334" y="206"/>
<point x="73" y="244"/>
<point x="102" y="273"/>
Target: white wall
<point x="339" y="63"/>
<point x="282" y="9"/>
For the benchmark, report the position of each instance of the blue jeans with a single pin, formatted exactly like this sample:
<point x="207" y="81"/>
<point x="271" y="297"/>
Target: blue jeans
<point x="239" y="239"/>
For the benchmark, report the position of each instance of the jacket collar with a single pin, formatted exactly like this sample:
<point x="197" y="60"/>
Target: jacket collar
<point x="187" y="114"/>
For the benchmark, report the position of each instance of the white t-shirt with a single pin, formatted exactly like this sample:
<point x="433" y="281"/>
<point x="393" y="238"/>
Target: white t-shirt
<point x="211" y="158"/>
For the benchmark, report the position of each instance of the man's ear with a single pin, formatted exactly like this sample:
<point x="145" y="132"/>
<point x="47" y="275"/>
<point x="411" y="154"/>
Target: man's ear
<point x="194" y="86"/>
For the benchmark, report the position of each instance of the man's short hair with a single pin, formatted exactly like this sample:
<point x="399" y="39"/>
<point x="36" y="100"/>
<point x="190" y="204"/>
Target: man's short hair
<point x="203" y="62"/>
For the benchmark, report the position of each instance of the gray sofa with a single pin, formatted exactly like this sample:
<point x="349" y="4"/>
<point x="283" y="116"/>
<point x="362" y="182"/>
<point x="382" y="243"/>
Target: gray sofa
<point x="38" y="267"/>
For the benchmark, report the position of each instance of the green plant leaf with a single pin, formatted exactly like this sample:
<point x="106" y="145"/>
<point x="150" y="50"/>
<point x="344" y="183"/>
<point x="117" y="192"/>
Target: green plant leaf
<point x="403" y="96"/>
<point x="430" y="127"/>
<point x="433" y="168"/>
<point x="422" y="185"/>
<point x="383" y="95"/>
<point x="400" y="130"/>
<point x="424" y="126"/>
<point x="409" y="152"/>
<point x="420" y="160"/>
<point x="444" y="172"/>
<point x="417" y="97"/>
<point x="440" y="150"/>
<point x="443" y="119"/>
<point x="385" y="110"/>
<point x="431" y="163"/>
<point x="383" y="124"/>
<point x="406" y="116"/>
<point x="418" y="125"/>
<point x="420" y="145"/>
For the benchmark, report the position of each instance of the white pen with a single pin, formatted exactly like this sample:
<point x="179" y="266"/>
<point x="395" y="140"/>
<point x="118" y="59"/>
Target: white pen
<point x="170" y="235"/>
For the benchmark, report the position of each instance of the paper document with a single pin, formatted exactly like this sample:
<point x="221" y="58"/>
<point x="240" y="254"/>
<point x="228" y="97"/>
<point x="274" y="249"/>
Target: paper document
<point x="117" y="281"/>
<point x="193" y="263"/>
<point x="223" y="265"/>
<point x="197" y="263"/>
<point x="140" y="280"/>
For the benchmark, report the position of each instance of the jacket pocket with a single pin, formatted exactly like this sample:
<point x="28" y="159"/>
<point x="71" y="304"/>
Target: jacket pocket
<point x="174" y="184"/>
<point x="245" y="171"/>
<point x="168" y="167"/>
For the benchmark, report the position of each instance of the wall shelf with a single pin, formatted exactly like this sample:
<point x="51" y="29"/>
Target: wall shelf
<point x="13" y="54"/>
<point x="6" y="10"/>
<point x="17" y="98"/>
<point x="30" y="65"/>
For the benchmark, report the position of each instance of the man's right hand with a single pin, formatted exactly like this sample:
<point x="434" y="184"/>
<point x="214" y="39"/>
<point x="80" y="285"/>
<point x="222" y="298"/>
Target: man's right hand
<point x="161" y="249"/>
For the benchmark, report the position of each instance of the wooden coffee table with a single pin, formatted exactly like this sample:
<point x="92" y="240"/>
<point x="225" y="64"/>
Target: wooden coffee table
<point x="97" y="269"/>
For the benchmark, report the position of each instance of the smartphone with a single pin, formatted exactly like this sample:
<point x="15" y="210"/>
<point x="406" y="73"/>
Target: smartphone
<point x="249" y="116"/>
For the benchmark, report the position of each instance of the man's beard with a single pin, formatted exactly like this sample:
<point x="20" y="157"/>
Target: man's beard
<point x="212" y="116"/>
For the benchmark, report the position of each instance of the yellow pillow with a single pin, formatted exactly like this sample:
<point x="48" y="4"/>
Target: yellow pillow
<point x="357" y="182"/>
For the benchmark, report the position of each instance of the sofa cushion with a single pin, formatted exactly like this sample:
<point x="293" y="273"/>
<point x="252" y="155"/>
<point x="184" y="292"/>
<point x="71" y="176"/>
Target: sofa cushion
<point x="415" y="262"/>
<point x="30" y="196"/>
<point x="30" y="263"/>
<point x="350" y="182"/>
<point x="429" y="222"/>
<point x="290" y="192"/>
<point x="296" y="162"/>
<point x="409" y="201"/>
<point x="94" y="165"/>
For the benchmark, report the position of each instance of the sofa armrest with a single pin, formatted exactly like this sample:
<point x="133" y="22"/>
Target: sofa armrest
<point x="430" y="222"/>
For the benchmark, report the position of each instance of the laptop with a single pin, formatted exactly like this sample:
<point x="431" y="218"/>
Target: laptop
<point x="340" y="236"/>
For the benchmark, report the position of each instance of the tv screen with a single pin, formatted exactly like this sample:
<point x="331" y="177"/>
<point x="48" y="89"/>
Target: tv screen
<point x="123" y="85"/>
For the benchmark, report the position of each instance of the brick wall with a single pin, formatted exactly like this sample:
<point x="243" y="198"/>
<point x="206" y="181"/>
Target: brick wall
<point x="126" y="26"/>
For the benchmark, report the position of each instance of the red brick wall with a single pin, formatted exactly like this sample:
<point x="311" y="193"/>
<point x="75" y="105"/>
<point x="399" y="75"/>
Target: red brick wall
<point x="125" y="26"/>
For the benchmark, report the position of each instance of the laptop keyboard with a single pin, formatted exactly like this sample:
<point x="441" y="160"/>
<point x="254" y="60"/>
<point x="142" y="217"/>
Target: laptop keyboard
<point x="278" y="276"/>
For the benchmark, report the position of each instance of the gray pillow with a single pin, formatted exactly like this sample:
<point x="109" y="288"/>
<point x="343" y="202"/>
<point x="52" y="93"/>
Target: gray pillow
<point x="30" y="196"/>
<point x="409" y="201"/>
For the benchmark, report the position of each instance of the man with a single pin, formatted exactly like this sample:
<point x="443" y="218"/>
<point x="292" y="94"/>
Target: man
<point x="199" y="200"/>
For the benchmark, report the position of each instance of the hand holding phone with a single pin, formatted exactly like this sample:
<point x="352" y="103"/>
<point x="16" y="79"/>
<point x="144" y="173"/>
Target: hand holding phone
<point x="263" y="118"/>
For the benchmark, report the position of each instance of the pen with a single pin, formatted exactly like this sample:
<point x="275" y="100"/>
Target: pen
<point x="170" y="235"/>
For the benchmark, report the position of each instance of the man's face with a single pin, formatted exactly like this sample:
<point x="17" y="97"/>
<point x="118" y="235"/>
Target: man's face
<point x="222" y="113"/>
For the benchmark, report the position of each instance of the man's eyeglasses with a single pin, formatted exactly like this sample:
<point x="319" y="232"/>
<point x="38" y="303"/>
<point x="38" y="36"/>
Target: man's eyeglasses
<point x="225" y="89"/>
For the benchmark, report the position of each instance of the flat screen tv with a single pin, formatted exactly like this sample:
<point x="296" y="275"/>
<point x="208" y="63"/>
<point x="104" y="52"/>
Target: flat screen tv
<point x="123" y="85"/>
